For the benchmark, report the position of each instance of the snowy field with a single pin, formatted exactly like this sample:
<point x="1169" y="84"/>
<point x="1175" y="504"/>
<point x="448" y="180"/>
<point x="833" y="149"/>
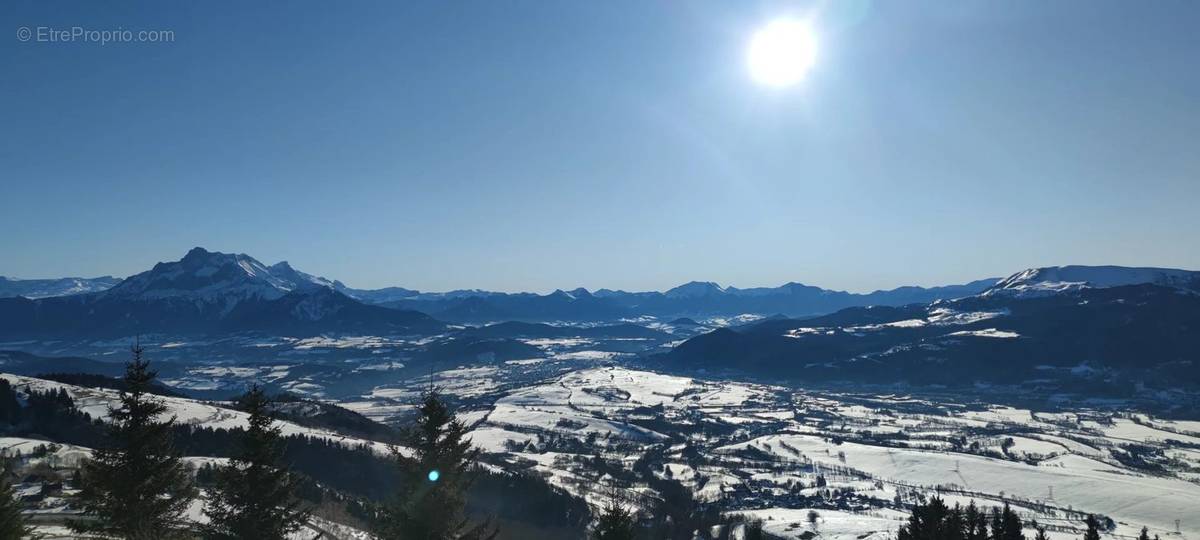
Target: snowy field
<point x="771" y="452"/>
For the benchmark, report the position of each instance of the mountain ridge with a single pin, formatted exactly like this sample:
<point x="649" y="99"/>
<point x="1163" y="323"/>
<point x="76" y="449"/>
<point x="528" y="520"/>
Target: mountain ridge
<point x="1053" y="279"/>
<point x="45" y="288"/>
<point x="218" y="282"/>
<point x="207" y="293"/>
<point x="291" y="277"/>
<point x="1117" y="336"/>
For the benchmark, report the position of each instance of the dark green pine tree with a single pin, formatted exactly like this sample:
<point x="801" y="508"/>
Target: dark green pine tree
<point x="1145" y="534"/>
<point x="1010" y="525"/>
<point x="1041" y="532"/>
<point x="10" y="408"/>
<point x="1093" y="528"/>
<point x="616" y="521"/>
<point x="935" y="521"/>
<point x="754" y="530"/>
<point x="430" y="503"/>
<point x="254" y="496"/>
<point x="955" y="525"/>
<point x="927" y="522"/>
<point x="12" y="523"/>
<point x="136" y="485"/>
<point x="975" y="521"/>
<point x="997" y="524"/>
<point x="677" y="515"/>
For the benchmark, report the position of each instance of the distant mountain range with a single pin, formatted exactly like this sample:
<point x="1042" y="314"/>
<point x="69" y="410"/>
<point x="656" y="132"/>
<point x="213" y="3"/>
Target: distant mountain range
<point x="44" y="288"/>
<point x="1060" y="316"/>
<point x="695" y="299"/>
<point x="217" y="282"/>
<point x="1078" y="325"/>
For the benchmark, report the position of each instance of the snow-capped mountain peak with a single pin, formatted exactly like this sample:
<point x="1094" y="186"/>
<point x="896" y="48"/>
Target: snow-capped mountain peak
<point x="1058" y="279"/>
<point x="211" y="277"/>
<point x="695" y="289"/>
<point x="574" y="294"/>
<point x="297" y="279"/>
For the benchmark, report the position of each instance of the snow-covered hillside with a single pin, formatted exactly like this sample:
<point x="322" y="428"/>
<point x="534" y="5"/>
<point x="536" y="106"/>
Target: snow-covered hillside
<point x="1055" y="279"/>
<point x="97" y="401"/>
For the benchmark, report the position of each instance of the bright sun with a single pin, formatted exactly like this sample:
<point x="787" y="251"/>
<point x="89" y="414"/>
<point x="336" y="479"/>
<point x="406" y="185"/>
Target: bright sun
<point x="781" y="52"/>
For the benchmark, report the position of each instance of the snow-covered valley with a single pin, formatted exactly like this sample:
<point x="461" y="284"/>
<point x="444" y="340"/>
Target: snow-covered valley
<point x="857" y="459"/>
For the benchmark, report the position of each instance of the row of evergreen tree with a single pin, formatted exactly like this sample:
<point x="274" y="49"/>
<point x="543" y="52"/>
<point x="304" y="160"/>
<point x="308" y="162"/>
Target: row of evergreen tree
<point x="935" y="520"/>
<point x="137" y="486"/>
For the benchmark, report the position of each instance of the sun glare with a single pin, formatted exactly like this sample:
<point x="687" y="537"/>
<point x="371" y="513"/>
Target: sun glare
<point x="781" y="53"/>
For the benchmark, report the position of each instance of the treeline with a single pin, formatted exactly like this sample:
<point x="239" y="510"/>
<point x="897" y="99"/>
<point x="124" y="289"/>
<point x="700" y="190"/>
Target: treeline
<point x="95" y="380"/>
<point x="935" y="520"/>
<point x="317" y="414"/>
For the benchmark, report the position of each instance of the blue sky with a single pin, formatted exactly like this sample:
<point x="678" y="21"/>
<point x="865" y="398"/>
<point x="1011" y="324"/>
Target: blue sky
<point x="538" y="145"/>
